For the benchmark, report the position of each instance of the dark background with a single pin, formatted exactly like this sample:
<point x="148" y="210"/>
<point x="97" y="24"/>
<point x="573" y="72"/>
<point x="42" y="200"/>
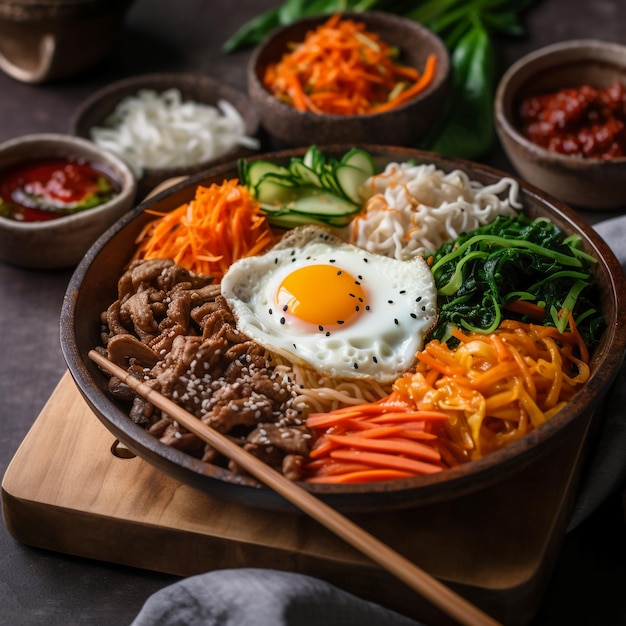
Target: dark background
<point x="38" y="587"/>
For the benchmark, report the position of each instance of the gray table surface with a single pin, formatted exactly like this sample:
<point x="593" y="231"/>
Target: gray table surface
<point x="38" y="587"/>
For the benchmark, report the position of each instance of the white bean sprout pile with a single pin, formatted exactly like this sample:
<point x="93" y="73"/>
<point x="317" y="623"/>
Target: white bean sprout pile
<point x="414" y="209"/>
<point x="160" y="130"/>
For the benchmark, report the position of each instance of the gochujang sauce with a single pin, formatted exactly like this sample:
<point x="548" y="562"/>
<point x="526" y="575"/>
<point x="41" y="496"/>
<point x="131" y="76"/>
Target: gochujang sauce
<point x="48" y="189"/>
<point x="585" y="121"/>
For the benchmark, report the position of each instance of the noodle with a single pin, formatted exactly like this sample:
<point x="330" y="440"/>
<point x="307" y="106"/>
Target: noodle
<point x="414" y="209"/>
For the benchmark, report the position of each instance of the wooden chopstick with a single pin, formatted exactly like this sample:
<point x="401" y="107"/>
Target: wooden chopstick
<point x="417" y="579"/>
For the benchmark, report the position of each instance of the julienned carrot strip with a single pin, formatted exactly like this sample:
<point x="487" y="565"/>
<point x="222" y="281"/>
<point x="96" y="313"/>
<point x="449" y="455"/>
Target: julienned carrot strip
<point x="360" y="476"/>
<point x="419" y="86"/>
<point x="406" y="417"/>
<point x="464" y="402"/>
<point x="220" y="225"/>
<point x="340" y="68"/>
<point x="392" y="446"/>
<point x="389" y="461"/>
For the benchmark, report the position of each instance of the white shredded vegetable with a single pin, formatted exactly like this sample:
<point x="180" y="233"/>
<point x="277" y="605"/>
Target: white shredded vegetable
<point x="161" y="130"/>
<point x="414" y="209"/>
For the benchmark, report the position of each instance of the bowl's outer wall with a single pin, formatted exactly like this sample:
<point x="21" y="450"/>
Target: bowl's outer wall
<point x="94" y="287"/>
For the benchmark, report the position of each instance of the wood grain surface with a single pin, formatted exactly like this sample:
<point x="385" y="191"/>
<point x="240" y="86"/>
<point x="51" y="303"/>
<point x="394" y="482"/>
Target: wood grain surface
<point x="66" y="491"/>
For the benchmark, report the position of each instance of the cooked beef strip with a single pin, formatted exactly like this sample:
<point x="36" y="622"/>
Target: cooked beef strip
<point x="176" y="331"/>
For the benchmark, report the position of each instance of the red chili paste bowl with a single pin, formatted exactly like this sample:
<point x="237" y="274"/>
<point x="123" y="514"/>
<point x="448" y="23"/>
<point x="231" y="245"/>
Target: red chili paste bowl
<point x="587" y="182"/>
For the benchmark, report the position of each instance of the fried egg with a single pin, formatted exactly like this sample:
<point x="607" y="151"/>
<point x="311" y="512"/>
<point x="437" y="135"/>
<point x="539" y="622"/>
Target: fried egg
<point x="317" y="299"/>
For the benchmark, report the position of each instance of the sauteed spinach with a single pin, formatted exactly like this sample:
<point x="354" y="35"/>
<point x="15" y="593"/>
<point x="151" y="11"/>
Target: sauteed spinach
<point x="481" y="273"/>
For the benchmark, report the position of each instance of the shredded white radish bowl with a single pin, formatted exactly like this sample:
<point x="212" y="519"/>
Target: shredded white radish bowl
<point x="153" y="130"/>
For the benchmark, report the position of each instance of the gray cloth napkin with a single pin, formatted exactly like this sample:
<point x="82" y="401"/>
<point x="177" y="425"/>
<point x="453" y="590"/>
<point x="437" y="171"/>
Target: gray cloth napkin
<point x="261" y="597"/>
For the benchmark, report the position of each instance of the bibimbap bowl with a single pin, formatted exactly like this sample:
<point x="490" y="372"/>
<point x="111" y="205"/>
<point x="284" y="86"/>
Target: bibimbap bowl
<point x="94" y="287"/>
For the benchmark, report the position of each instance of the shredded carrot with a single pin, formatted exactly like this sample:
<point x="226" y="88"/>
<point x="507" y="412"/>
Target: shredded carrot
<point x="457" y="406"/>
<point x="220" y="225"/>
<point x="341" y="68"/>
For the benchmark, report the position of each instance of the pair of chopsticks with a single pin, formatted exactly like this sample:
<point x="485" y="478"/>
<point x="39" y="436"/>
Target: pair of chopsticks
<point x="417" y="579"/>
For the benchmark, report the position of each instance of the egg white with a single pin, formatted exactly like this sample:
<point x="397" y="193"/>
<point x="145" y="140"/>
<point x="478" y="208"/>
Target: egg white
<point x="380" y="342"/>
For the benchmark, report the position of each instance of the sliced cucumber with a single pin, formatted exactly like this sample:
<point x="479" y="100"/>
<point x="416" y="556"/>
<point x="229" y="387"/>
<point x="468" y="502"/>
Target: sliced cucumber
<point x="350" y="180"/>
<point x="256" y="170"/>
<point x="315" y="188"/>
<point x="274" y="189"/>
<point x="303" y="173"/>
<point x="319" y="203"/>
<point x="360" y="159"/>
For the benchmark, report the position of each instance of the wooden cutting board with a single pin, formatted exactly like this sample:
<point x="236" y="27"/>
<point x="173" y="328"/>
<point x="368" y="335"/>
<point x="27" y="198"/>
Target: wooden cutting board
<point x="66" y="491"/>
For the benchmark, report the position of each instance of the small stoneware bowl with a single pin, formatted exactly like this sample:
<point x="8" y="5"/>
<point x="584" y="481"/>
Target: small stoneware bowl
<point x="586" y="183"/>
<point x="63" y="241"/>
<point x="192" y="87"/>
<point x="44" y="40"/>
<point x="401" y="126"/>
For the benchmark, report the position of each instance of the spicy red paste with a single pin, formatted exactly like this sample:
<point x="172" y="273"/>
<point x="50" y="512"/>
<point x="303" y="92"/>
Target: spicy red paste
<point x="584" y="121"/>
<point x="47" y="189"/>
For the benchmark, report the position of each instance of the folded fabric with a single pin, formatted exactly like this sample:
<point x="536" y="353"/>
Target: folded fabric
<point x="261" y="597"/>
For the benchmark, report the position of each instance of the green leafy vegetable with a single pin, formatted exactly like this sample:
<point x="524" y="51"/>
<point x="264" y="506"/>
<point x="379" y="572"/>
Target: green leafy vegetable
<point x="467" y="27"/>
<point x="512" y="259"/>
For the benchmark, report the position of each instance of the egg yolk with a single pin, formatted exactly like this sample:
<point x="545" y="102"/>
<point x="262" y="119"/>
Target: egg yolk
<point x="324" y="295"/>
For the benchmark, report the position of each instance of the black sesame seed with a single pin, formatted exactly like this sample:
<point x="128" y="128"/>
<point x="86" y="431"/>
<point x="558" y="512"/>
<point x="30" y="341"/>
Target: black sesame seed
<point x="282" y="320"/>
<point x="366" y="260"/>
<point x="332" y="260"/>
<point x="356" y="366"/>
<point x="357" y="308"/>
<point x="395" y="321"/>
<point x="367" y="307"/>
<point x="356" y="282"/>
<point x="423" y="308"/>
<point x="269" y="311"/>
<point x="276" y="261"/>
<point x="402" y="291"/>
<point x="352" y="295"/>
<point x="390" y="301"/>
<point x="285" y="307"/>
<point x="418" y="298"/>
<point x="414" y="316"/>
<point x="328" y="333"/>
<point x="340" y="321"/>
<point x="339" y="272"/>
<point x="321" y="327"/>
<point x="360" y="299"/>
<point x="374" y="359"/>
<point x="360" y="277"/>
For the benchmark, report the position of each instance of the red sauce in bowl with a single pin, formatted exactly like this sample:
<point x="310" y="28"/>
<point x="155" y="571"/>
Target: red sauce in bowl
<point x="584" y="121"/>
<point x="48" y="189"/>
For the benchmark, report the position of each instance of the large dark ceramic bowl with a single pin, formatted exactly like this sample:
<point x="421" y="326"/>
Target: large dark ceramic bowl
<point x="94" y="286"/>
<point x="401" y="126"/>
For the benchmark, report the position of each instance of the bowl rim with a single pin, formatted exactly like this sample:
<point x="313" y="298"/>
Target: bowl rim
<point x="142" y="81"/>
<point x="128" y="181"/>
<point x="348" y="497"/>
<point x="579" y="48"/>
<point x="440" y="79"/>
